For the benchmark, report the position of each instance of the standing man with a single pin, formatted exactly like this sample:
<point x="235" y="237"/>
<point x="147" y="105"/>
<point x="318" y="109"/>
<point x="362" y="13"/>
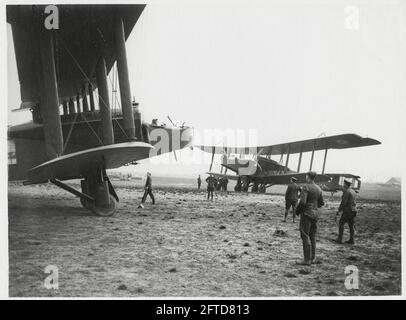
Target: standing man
<point x="245" y="184"/>
<point x="148" y="189"/>
<point x="199" y="182"/>
<point x="211" y="183"/>
<point x="238" y="185"/>
<point x="311" y="199"/>
<point x="347" y="208"/>
<point x="225" y="183"/>
<point x="217" y="184"/>
<point x="291" y="198"/>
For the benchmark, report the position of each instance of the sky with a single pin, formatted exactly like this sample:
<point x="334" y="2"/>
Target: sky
<point x="285" y="70"/>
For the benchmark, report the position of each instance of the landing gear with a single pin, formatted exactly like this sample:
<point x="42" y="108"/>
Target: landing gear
<point x="96" y="196"/>
<point x="99" y="187"/>
<point x="86" y="203"/>
<point x="243" y="184"/>
<point x="107" y="210"/>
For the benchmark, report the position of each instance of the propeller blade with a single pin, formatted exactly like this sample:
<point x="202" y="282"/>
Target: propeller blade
<point x="171" y="121"/>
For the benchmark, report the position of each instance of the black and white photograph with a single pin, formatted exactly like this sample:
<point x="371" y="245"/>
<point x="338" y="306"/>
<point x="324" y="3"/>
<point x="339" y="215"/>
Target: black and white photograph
<point x="216" y="149"/>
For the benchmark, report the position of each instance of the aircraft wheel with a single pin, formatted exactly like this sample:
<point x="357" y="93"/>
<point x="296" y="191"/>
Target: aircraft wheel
<point x="106" y="211"/>
<point x="86" y="204"/>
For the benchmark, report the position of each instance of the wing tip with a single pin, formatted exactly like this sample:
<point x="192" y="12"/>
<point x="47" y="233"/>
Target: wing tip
<point x="371" y="141"/>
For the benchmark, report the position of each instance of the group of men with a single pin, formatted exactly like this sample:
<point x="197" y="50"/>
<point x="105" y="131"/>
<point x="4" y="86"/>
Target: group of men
<point x="213" y="184"/>
<point x="305" y="202"/>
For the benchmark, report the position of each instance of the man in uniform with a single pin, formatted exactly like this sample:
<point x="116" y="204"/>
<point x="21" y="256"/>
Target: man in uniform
<point x="245" y="184"/>
<point x="148" y="190"/>
<point x="217" y="184"/>
<point x="311" y="199"/>
<point x="291" y="198"/>
<point x="211" y="183"/>
<point x="225" y="183"/>
<point x="347" y="208"/>
<point x="199" y="182"/>
<point x="238" y="185"/>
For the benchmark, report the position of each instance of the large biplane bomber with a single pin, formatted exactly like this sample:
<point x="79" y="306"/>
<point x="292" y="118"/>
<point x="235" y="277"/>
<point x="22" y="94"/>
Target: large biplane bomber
<point x="63" y="79"/>
<point x="75" y="133"/>
<point x="262" y="172"/>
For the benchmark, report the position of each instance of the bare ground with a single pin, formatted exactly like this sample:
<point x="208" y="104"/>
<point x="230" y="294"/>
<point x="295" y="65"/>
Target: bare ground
<point x="187" y="246"/>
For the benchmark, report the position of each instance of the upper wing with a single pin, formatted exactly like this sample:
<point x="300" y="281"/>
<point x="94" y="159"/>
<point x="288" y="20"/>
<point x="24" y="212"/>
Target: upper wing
<point x="84" y="32"/>
<point x="74" y="165"/>
<point x="342" y="141"/>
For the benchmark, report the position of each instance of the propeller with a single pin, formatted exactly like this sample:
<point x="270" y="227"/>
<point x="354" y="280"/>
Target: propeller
<point x="174" y="124"/>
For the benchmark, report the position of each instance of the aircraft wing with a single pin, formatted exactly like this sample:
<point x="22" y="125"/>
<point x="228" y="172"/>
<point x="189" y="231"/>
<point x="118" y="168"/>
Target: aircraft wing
<point x="345" y="175"/>
<point x="282" y="179"/>
<point x="74" y="165"/>
<point x="342" y="141"/>
<point x="221" y="175"/>
<point x="75" y="57"/>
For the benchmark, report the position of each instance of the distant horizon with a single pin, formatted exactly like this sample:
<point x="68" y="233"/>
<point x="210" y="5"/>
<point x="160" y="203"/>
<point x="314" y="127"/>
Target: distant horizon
<point x="140" y="174"/>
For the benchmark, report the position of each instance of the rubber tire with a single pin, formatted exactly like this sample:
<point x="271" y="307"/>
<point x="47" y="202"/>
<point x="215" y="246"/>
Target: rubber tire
<point x="105" y="212"/>
<point x="86" y="204"/>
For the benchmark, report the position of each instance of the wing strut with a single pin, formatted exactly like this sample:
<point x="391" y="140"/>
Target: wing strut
<point x="287" y="159"/>
<point x="300" y="161"/>
<point x="324" y="162"/>
<point x="311" y="161"/>
<point x="72" y="190"/>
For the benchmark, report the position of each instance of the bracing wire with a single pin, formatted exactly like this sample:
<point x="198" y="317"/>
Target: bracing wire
<point x="114" y="84"/>
<point x="91" y="128"/>
<point x="69" y="134"/>
<point x="113" y="105"/>
<point x="87" y="78"/>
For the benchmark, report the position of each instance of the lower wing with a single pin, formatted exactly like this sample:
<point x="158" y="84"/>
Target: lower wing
<point x="284" y="178"/>
<point x="220" y="175"/>
<point x="75" y="165"/>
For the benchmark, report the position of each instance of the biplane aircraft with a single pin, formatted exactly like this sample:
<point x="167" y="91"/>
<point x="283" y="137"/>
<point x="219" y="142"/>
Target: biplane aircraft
<point x="262" y="171"/>
<point x="74" y="133"/>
